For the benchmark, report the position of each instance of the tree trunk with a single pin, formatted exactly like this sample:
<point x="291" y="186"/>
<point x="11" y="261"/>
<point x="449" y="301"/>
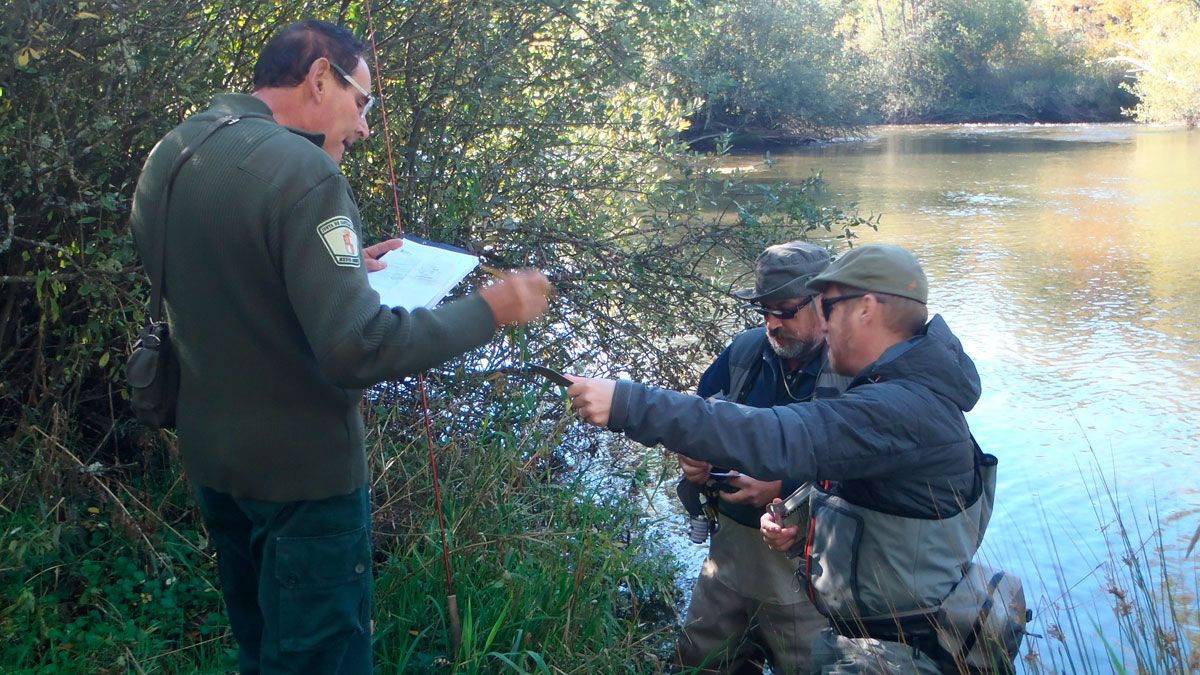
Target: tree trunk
<point x="883" y="25"/>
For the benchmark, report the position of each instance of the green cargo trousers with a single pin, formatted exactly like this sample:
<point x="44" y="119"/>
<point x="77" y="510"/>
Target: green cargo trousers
<point x="746" y="609"/>
<point x="296" y="578"/>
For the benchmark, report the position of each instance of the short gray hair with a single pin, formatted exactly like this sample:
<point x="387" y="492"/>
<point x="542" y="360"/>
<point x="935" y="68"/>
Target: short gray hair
<point x="902" y="315"/>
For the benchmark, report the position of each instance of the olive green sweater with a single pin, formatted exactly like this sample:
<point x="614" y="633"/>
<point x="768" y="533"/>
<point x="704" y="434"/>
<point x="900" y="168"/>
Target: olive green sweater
<point x="276" y="327"/>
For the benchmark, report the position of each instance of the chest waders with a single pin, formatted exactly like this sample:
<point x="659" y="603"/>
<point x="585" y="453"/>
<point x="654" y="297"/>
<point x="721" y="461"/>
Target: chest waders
<point x="906" y="579"/>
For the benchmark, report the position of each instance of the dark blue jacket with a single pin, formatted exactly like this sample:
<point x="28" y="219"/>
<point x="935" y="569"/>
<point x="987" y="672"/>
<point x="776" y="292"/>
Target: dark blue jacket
<point x="763" y="388"/>
<point x="897" y="440"/>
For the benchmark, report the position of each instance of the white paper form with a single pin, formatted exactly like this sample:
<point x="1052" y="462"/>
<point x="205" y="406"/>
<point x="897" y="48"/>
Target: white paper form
<point x="420" y="273"/>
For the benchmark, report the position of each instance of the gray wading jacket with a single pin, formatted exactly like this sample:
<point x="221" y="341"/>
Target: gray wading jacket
<point x="896" y="443"/>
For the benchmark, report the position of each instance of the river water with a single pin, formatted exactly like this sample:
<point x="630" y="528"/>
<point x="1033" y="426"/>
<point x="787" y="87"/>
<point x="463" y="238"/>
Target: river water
<point x="1067" y="259"/>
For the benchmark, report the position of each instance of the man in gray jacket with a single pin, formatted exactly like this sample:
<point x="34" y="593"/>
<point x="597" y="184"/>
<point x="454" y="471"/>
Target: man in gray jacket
<point x="898" y="512"/>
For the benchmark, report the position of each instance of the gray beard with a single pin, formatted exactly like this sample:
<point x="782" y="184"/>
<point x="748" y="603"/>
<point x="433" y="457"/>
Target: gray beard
<point x="792" y="349"/>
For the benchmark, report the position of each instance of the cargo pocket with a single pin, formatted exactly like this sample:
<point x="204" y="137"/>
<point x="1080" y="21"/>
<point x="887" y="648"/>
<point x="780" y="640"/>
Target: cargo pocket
<point x="833" y="556"/>
<point x="324" y="588"/>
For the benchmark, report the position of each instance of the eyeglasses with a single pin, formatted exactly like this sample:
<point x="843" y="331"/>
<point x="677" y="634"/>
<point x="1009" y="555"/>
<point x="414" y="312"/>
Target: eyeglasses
<point x="828" y="303"/>
<point x="370" y="103"/>
<point x="782" y="314"/>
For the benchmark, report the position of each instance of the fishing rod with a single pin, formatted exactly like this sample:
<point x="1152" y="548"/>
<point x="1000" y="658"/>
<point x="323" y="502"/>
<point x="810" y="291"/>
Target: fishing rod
<point x="451" y="596"/>
<point x="550" y="374"/>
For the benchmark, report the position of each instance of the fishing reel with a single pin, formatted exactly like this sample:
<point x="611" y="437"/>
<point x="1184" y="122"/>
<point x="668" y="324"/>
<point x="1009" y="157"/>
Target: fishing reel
<point x="700" y="502"/>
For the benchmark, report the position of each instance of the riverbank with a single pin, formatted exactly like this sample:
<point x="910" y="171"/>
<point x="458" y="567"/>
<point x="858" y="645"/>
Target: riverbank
<point x="779" y="142"/>
<point x="549" y="567"/>
<point x="555" y="570"/>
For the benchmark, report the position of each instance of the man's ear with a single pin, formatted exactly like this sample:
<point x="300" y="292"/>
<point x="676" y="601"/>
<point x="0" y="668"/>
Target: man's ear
<point x="316" y="81"/>
<point x="870" y="307"/>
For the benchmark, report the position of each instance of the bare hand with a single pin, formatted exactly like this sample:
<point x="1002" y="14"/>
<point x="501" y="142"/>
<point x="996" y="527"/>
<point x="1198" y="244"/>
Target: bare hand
<point x="751" y="491"/>
<point x="518" y="297"/>
<point x="694" y="470"/>
<point x="775" y="535"/>
<point x="592" y="398"/>
<point x="372" y="254"/>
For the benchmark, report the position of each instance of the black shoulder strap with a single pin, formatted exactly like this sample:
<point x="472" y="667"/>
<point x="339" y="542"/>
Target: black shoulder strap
<point x="158" y="280"/>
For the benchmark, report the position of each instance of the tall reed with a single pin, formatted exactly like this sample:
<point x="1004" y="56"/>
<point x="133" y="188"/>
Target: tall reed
<point x="1149" y="619"/>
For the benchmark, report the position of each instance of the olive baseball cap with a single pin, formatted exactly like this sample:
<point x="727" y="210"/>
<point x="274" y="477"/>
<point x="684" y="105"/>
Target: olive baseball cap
<point x="882" y="268"/>
<point x="781" y="271"/>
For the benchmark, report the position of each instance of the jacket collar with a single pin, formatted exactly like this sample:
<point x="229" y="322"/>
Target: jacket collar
<point x="241" y="104"/>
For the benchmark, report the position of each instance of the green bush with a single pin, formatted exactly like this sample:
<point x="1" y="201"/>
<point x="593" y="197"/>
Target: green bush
<point x="952" y="60"/>
<point x="532" y="134"/>
<point x="99" y="588"/>
<point x="1168" y="71"/>
<point x="775" y="72"/>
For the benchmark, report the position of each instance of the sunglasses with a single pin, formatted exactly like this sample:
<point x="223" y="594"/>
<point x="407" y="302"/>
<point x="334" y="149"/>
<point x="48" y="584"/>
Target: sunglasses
<point x="827" y="304"/>
<point x="369" y="102"/>
<point x="782" y="314"/>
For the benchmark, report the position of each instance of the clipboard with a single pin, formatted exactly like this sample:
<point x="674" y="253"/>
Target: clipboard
<point x="420" y="273"/>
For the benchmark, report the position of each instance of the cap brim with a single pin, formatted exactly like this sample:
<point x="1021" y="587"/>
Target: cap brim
<point x="817" y="285"/>
<point x="792" y="289"/>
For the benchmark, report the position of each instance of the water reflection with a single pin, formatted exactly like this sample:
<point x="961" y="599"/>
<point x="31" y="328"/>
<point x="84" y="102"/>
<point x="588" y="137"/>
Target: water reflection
<point x="1068" y="261"/>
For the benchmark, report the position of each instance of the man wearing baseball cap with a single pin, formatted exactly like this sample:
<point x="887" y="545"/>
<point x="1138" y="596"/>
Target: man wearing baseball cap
<point x="744" y="608"/>
<point x="901" y="502"/>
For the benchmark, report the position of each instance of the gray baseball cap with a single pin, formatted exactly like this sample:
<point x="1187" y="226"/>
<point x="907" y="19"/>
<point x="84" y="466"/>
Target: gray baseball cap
<point x="781" y="271"/>
<point x="882" y="268"/>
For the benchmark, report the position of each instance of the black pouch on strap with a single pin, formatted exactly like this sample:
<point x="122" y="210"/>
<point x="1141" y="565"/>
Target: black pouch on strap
<point x="153" y="376"/>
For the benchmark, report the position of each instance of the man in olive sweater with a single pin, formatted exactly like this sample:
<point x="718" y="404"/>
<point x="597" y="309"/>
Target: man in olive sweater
<point x="278" y="331"/>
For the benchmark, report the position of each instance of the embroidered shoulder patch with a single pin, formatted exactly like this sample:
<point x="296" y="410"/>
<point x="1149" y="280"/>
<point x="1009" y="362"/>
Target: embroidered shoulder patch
<point x="341" y="240"/>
